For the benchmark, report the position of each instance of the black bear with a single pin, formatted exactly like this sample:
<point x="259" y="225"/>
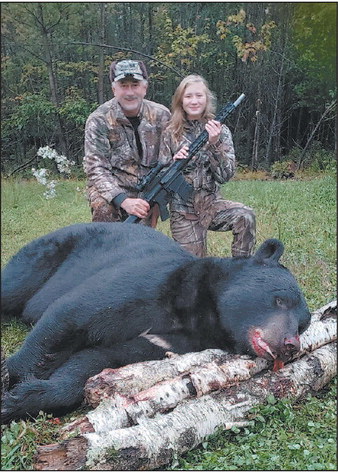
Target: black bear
<point x="109" y="294"/>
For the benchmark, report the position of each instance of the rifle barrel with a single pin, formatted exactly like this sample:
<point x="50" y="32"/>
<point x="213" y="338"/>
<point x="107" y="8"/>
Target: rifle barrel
<point x="239" y="99"/>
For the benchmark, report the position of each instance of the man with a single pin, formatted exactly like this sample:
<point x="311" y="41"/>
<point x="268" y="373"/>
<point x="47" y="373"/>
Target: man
<point x="122" y="139"/>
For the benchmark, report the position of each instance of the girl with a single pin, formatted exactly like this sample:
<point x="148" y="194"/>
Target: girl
<point x="213" y="165"/>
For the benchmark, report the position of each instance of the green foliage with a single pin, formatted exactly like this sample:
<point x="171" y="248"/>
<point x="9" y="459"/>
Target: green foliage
<point x="42" y="65"/>
<point x="316" y="159"/>
<point x="33" y="114"/>
<point x="313" y="54"/>
<point x="282" y="169"/>
<point x="181" y="45"/>
<point x="79" y="77"/>
<point x="75" y="110"/>
<point x="320" y="160"/>
<point x="239" y="30"/>
<point x="315" y="46"/>
<point x="19" y="440"/>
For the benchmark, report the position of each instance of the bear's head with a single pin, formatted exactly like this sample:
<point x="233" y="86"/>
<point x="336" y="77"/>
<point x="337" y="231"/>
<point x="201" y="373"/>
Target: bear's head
<point x="260" y="306"/>
<point x="250" y="305"/>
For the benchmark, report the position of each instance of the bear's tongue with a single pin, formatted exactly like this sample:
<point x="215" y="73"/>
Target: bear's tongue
<point x="278" y="364"/>
<point x="261" y="347"/>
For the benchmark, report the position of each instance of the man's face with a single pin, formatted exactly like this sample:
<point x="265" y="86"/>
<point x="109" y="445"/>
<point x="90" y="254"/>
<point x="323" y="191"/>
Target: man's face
<point x="129" y="94"/>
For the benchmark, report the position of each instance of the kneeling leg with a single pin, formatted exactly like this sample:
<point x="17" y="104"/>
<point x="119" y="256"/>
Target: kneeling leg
<point x="241" y="220"/>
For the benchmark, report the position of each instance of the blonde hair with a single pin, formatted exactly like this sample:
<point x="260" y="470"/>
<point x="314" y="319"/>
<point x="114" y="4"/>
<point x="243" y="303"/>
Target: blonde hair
<point x="179" y="117"/>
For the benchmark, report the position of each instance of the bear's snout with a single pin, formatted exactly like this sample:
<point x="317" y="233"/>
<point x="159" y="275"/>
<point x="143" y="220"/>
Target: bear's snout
<point x="291" y="345"/>
<point x="272" y="347"/>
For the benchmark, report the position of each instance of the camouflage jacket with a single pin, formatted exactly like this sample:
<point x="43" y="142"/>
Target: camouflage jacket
<point x="112" y="162"/>
<point x="212" y="166"/>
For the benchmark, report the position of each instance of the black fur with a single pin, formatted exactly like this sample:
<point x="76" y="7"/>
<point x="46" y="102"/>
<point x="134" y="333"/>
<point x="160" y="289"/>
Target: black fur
<point x="97" y="292"/>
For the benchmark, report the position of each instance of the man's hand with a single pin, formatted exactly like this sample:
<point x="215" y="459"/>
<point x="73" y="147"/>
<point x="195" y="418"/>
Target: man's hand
<point x="136" y="206"/>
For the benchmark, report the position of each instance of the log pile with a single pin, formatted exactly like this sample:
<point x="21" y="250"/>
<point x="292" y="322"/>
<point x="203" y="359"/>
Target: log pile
<point x="145" y="414"/>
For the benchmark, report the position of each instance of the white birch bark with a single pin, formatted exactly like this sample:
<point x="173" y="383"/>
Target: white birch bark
<point x="149" y="428"/>
<point x="133" y="378"/>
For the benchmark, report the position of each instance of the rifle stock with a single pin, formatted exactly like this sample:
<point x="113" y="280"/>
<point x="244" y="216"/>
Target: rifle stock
<point x="158" y="185"/>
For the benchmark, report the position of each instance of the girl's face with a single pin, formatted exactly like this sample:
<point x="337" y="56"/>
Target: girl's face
<point x="194" y="100"/>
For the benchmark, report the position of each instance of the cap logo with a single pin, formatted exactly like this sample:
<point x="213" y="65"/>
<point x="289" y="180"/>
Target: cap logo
<point x="124" y="69"/>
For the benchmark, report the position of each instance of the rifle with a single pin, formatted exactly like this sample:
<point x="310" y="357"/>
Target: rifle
<point x="157" y="187"/>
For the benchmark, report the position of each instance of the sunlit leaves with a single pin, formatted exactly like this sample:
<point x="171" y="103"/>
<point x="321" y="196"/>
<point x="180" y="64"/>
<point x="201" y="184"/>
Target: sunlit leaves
<point x="181" y="45"/>
<point x="235" y="29"/>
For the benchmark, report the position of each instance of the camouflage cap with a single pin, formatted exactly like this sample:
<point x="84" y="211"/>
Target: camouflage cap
<point x="122" y="69"/>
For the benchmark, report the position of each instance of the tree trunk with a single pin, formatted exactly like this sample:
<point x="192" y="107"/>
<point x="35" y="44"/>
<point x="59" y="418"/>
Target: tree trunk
<point x="254" y="158"/>
<point x="274" y="128"/>
<point x="150" y="46"/>
<point x="149" y="439"/>
<point x="50" y="63"/>
<point x="102" y="9"/>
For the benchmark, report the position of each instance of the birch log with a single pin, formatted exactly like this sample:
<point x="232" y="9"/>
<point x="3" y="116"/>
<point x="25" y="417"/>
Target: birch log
<point x="131" y="433"/>
<point x="132" y="379"/>
<point x="123" y="409"/>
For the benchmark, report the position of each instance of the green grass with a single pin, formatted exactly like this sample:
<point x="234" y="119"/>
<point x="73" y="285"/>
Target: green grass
<point x="26" y="214"/>
<point x="284" y="436"/>
<point x="303" y="215"/>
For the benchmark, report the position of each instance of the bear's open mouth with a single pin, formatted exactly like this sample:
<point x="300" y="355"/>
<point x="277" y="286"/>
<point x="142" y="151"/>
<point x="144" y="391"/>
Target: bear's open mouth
<point x="260" y="346"/>
<point x="262" y="349"/>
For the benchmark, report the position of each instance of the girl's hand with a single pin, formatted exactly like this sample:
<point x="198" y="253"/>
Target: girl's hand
<point x="182" y="153"/>
<point x="214" y="130"/>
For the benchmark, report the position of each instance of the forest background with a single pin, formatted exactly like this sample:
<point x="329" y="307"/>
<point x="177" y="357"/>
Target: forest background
<point x="56" y="56"/>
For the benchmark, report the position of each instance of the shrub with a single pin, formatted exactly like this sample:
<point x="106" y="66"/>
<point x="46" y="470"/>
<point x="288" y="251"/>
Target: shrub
<point x="283" y="169"/>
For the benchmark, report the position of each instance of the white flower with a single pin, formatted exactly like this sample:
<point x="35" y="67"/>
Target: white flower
<point x="50" y="192"/>
<point x="62" y="163"/>
<point x="41" y="175"/>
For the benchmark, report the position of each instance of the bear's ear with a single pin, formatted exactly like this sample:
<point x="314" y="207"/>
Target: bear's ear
<point x="270" y="250"/>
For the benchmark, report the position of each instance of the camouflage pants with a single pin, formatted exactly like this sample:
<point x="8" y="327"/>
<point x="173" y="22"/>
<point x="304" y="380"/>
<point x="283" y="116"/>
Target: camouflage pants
<point x="103" y="211"/>
<point x="188" y="231"/>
